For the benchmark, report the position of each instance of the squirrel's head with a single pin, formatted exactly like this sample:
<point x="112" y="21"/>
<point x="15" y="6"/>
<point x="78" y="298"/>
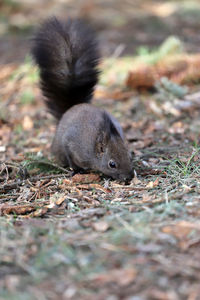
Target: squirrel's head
<point x="112" y="155"/>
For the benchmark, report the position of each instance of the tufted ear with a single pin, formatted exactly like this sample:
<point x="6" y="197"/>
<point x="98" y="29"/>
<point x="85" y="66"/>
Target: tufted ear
<point x="101" y="143"/>
<point x="106" y="133"/>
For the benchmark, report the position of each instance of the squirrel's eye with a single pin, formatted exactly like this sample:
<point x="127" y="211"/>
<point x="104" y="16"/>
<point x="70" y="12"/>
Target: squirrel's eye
<point x="112" y="164"/>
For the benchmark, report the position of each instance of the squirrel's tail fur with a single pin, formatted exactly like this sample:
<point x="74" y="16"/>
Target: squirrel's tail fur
<point x="67" y="55"/>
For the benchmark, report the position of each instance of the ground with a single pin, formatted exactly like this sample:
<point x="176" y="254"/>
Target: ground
<point x="87" y="236"/>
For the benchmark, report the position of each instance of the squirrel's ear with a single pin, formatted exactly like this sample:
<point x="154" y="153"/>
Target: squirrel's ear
<point x="101" y="143"/>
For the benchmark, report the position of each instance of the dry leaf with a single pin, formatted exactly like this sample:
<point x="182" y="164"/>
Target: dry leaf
<point x="100" y="226"/>
<point x="121" y="277"/>
<point x="16" y="209"/>
<point x="27" y="123"/>
<point x="181" y="229"/>
<point x="150" y="185"/>
<point x="85" y="178"/>
<point x="40" y="212"/>
<point x="94" y="186"/>
<point x="60" y="200"/>
<point x="180" y="68"/>
<point x="135" y="179"/>
<point x="67" y="181"/>
<point x="146" y="197"/>
<point x="116" y="94"/>
<point x="6" y="71"/>
<point x="2" y="148"/>
<point x="156" y="182"/>
<point x="5" y="133"/>
<point x="153" y="184"/>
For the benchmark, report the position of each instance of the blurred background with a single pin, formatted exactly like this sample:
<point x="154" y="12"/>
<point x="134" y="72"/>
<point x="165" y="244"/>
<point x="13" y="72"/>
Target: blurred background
<point x="123" y="26"/>
<point x="65" y="239"/>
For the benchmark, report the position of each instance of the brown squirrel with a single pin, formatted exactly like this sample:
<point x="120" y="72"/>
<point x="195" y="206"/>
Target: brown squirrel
<point x="87" y="137"/>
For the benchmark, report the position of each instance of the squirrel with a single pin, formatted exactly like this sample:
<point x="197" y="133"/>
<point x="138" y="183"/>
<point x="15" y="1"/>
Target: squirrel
<point x="87" y="137"/>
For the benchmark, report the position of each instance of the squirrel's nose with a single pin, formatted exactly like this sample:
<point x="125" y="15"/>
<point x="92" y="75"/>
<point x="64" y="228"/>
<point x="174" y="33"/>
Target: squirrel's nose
<point x="126" y="177"/>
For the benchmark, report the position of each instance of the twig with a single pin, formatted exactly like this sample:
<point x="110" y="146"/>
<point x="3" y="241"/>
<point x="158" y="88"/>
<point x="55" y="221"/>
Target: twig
<point x="47" y="164"/>
<point x="5" y="167"/>
<point x="6" y="197"/>
<point x="125" y="187"/>
<point x="35" y="178"/>
<point x="18" y="183"/>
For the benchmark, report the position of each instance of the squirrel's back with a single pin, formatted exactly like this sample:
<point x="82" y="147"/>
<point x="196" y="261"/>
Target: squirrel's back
<point x="67" y="55"/>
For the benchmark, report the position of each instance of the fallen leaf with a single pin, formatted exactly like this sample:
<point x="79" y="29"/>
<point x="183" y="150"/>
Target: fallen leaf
<point x="5" y="134"/>
<point x="180" y="68"/>
<point x="100" y="226"/>
<point x="40" y="212"/>
<point x="94" y="186"/>
<point x="181" y="229"/>
<point x="156" y="182"/>
<point x="12" y="282"/>
<point x="27" y="123"/>
<point x="2" y="148"/>
<point x="6" y="71"/>
<point x="16" y="209"/>
<point x="153" y="184"/>
<point x="91" y="201"/>
<point x="150" y="185"/>
<point x="60" y="200"/>
<point x="122" y="277"/>
<point x="85" y="178"/>
<point x="66" y="181"/>
<point x="161" y="9"/>
<point x="135" y="179"/>
<point x="146" y="197"/>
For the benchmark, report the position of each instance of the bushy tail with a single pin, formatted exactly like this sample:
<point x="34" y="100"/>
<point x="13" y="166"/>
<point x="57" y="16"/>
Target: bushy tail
<point x="67" y="55"/>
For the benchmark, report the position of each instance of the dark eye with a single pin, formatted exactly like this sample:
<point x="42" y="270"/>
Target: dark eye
<point x="112" y="164"/>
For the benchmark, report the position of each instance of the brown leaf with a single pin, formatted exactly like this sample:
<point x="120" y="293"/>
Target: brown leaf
<point x="19" y="157"/>
<point x="12" y="282"/>
<point x="181" y="229"/>
<point x="177" y="128"/>
<point x="27" y="123"/>
<point x="67" y="181"/>
<point x="60" y="200"/>
<point x="91" y="201"/>
<point x="146" y="197"/>
<point x="16" y="209"/>
<point x="122" y="277"/>
<point x="100" y="226"/>
<point x="6" y="71"/>
<point x="5" y="133"/>
<point x="150" y="185"/>
<point x="116" y="94"/>
<point x="135" y="179"/>
<point x="85" y="178"/>
<point x="180" y="68"/>
<point x="37" y="213"/>
<point x="153" y="184"/>
<point x="40" y="212"/>
<point x="94" y="186"/>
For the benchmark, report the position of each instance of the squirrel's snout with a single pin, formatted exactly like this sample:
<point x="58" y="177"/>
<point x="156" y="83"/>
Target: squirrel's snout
<point x="126" y="177"/>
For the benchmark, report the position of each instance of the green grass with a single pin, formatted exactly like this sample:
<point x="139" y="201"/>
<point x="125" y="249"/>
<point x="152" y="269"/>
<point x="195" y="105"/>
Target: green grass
<point x="181" y="170"/>
<point x="168" y="90"/>
<point x="172" y="45"/>
<point x="27" y="97"/>
<point x="41" y="164"/>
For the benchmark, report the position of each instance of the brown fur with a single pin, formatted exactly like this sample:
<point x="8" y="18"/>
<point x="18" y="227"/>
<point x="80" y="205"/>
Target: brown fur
<point x="87" y="137"/>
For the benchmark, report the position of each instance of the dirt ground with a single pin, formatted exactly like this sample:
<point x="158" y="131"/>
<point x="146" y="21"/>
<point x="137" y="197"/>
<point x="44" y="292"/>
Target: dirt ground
<point x="87" y="236"/>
